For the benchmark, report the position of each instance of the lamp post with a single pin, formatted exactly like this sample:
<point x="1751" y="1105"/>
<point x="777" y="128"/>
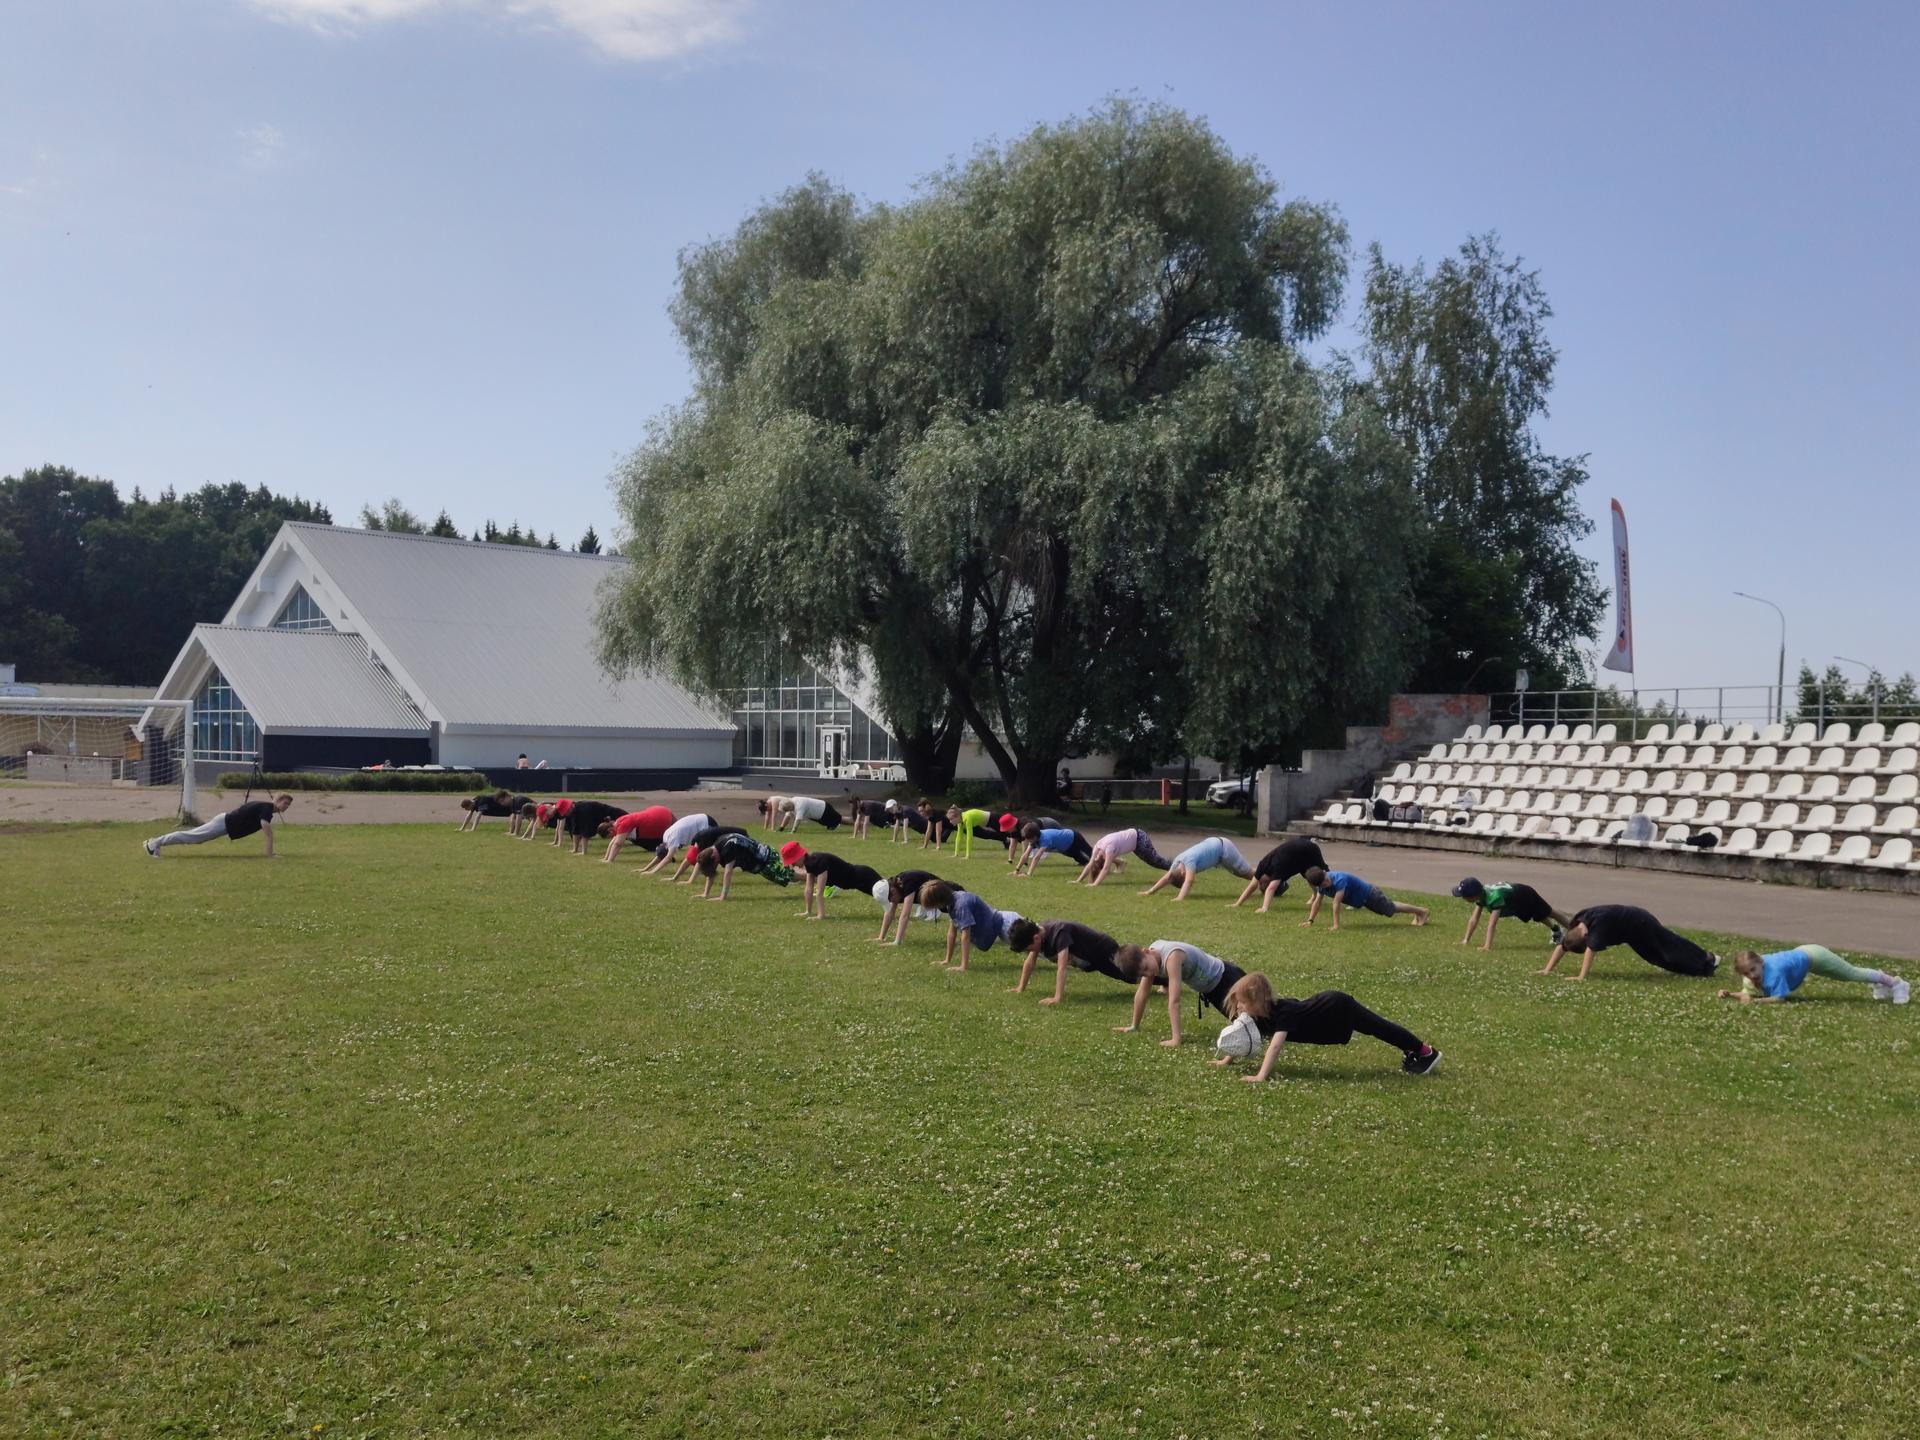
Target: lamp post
<point x="1873" y="678"/>
<point x="1780" y="689"/>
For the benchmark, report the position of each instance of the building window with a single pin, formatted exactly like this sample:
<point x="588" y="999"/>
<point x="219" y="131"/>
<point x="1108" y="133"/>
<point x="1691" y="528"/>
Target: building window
<point x="790" y="721"/>
<point x="300" y="613"/>
<point x="222" y="728"/>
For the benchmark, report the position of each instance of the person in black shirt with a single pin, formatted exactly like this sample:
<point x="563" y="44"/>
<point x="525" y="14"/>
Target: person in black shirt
<point x="497" y="806"/>
<point x="898" y="895"/>
<point x="584" y="818"/>
<point x="1601" y="927"/>
<point x="1329" y="1018"/>
<point x="1293" y="856"/>
<point x="1071" y="944"/>
<point x="235" y="824"/>
<point x="702" y="841"/>
<point x="740" y="852"/>
<point x="826" y="872"/>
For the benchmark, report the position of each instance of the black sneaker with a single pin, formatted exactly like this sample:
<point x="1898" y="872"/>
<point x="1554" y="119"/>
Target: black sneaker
<point x="1556" y="932"/>
<point x="1418" y="1064"/>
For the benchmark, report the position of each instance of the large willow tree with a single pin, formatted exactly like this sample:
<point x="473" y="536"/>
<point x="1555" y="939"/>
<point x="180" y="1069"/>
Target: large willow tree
<point x="1037" y="449"/>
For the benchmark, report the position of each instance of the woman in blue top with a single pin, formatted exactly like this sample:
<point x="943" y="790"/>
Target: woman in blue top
<point x="1345" y="889"/>
<point x="1203" y="855"/>
<point x="1041" y="841"/>
<point x="970" y="919"/>
<point x="1769" y="979"/>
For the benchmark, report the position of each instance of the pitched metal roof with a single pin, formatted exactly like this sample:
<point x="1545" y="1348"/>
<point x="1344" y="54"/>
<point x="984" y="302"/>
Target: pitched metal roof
<point x="309" y="681"/>
<point x="495" y="637"/>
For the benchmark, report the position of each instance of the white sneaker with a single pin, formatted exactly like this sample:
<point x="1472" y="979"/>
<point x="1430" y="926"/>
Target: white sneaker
<point x="151" y="848"/>
<point x="1901" y="992"/>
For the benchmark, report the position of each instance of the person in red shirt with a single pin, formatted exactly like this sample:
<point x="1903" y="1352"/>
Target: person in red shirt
<point x="642" y="827"/>
<point x="549" y="815"/>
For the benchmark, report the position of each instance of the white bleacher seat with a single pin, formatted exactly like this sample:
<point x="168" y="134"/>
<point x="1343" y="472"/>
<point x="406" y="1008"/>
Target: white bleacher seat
<point x="1905" y="733"/>
<point x="1901" y="820"/>
<point x="1438" y="752"/>
<point x="1750" y="814"/>
<point x="1613" y="831"/>
<point x="1636" y="781"/>
<point x="1496" y="800"/>
<point x="1402" y="771"/>
<point x="1536" y="733"/>
<point x="1805" y="733"/>
<point x="1507" y="825"/>
<point x="1582" y="734"/>
<point x="1675" y="835"/>
<point x="1571" y="803"/>
<point x="1683" y="810"/>
<point x="1442" y="774"/>
<point x="1624" y="806"/>
<point x="1595" y="806"/>
<point x="1587" y="831"/>
<point x="1455" y="751"/>
<point x="1559" y="778"/>
<point x="1772" y="735"/>
<point x="1872" y="733"/>
<point x="1853" y="850"/>
<point x="1497" y="753"/>
<point x="1859" y="818"/>
<point x="1725" y="782"/>
<point x="1654" y="807"/>
<point x="1777" y="846"/>
<point x="1893" y="855"/>
<point x="1832" y="758"/>
<point x="1784" y="817"/>
<point x="1686" y="734"/>
<point x="1816" y="846"/>
<point x="1477" y="753"/>
<point x="1665" y="783"/>
<point x="1860" y="789"/>
<point x="1824" y="787"/>
<point x="1797" y="757"/>
<point x="1734" y="757"/>
<point x="1620" y="756"/>
<point x="1482" y="824"/>
<point x="1656" y="736"/>
<point x="1788" y="787"/>
<point x="1509" y="775"/>
<point x="1535" y="775"/>
<point x="1741" y="842"/>
<point x="1765" y="757"/>
<point x="1558" y="735"/>
<point x="1755" y="785"/>
<point x="1900" y="789"/>
<point x="1546" y="803"/>
<point x="1741" y="734"/>
<point x="1716" y="812"/>
<point x="1673" y="757"/>
<point x="1429" y="795"/>
<point x="1701" y="757"/>
<point x="1607" y="780"/>
<point x="1647" y="757"/>
<point x="1521" y="754"/>
<point x="1473" y="732"/>
<point x="1559" y="828"/>
<point x="1584" y="780"/>
<point x="1594" y="755"/>
<point x="1607" y="734"/>
<point x="1713" y="735"/>
<point x="1838" y="733"/>
<point x="1519" y="802"/>
<point x="1423" y="773"/>
<point x="1694" y="782"/>
<point x="1819" y="819"/>
<point x="1532" y="826"/>
<point x="1903" y="761"/>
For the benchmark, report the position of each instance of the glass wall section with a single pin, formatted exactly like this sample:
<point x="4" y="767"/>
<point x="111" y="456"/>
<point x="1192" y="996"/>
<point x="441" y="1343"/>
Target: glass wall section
<point x="300" y="613"/>
<point x="784" y="725"/>
<point x="222" y="728"/>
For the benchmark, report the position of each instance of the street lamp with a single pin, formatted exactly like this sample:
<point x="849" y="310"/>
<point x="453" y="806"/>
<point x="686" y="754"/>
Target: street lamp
<point x="1780" y="691"/>
<point x="1849" y="660"/>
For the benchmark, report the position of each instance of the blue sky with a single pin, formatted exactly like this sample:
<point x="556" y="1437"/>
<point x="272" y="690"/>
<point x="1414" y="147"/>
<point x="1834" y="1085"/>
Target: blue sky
<point x="360" y="248"/>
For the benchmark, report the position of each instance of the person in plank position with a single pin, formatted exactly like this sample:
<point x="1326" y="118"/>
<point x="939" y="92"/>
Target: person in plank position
<point x="1203" y="855"/>
<point x="1504" y="898"/>
<point x="646" y="827"/>
<point x="500" y="805"/>
<point x="1770" y="979"/>
<point x="825" y="874"/>
<point x="1329" y="1018"/>
<point x="740" y="852"/>
<point x="899" y="898"/>
<point x="1037" y="844"/>
<point x="676" y="836"/>
<point x="971" y="920"/>
<point x="1350" y="890"/>
<point x="1175" y="963"/>
<point x="587" y="818"/>
<point x="1293" y="856"/>
<point x="1601" y="927"/>
<point x="1111" y="850"/>
<point x="1072" y="946"/>
<point x="785" y="812"/>
<point x="235" y="824"/>
<point x="703" y="840"/>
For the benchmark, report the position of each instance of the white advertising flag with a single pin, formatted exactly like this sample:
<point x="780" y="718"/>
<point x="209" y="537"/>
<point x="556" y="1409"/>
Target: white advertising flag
<point x="1621" y="656"/>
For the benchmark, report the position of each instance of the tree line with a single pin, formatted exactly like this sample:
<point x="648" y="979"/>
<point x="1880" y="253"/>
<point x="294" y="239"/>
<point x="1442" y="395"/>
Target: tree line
<point x="1044" y="450"/>
<point x="99" y="588"/>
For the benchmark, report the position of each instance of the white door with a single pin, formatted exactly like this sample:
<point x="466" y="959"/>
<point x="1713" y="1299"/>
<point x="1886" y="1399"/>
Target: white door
<point x="833" y="750"/>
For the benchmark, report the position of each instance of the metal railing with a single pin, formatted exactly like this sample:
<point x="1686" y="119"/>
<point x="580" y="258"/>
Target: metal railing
<point x="1632" y="712"/>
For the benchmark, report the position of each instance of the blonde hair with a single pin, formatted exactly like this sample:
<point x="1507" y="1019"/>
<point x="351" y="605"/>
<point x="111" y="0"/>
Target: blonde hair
<point x="1749" y="963"/>
<point x="1251" y="995"/>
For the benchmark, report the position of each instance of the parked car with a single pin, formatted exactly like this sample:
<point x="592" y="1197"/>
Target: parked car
<point x="1237" y="795"/>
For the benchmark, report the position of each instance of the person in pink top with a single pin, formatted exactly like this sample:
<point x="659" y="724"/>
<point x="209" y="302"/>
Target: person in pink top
<point x="1110" y="852"/>
<point x="642" y="827"/>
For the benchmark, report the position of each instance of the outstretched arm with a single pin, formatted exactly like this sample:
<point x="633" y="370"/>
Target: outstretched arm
<point x="1252" y="882"/>
<point x="1140" y="993"/>
<point x="1274" y="1047"/>
<point x="1313" y="910"/>
<point x="1174" y="962"/>
<point x="1473" y="924"/>
<point x="266" y="832"/>
<point x="1059" y="978"/>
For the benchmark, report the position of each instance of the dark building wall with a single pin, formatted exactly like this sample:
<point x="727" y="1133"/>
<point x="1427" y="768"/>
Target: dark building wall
<point x="346" y="752"/>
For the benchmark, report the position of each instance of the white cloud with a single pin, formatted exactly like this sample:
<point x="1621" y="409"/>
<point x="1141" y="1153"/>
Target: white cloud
<point x="265" y="144"/>
<point x="621" y="29"/>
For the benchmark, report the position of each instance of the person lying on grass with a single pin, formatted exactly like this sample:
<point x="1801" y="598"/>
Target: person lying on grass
<point x="899" y="897"/>
<point x="825" y="874"/>
<point x="1329" y="1018"/>
<point x="1771" y="979"/>
<point x="676" y="836"/>
<point x="1522" y="902"/>
<point x="1072" y="946"/>
<point x="1175" y="963"/>
<point x="646" y="827"/>
<point x="1345" y="889"/>
<point x="500" y="805"/>
<point x="235" y="824"/>
<point x="584" y="820"/>
<point x="1110" y="852"/>
<point x="1203" y="855"/>
<point x="740" y="852"/>
<point x="1036" y="844"/>
<point x="703" y="839"/>
<point x="1293" y="856"/>
<point x="970" y="919"/>
<point x="1601" y="927"/>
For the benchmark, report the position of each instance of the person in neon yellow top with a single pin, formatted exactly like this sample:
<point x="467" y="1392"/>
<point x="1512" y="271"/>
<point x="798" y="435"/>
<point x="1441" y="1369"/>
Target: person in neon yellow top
<point x="965" y="823"/>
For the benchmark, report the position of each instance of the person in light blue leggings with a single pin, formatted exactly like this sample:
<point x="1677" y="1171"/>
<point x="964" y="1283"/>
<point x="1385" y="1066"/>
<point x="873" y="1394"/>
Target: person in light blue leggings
<point x="1770" y="979"/>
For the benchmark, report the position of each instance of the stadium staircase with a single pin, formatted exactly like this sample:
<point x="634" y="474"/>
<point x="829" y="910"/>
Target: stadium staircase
<point x="1792" y="804"/>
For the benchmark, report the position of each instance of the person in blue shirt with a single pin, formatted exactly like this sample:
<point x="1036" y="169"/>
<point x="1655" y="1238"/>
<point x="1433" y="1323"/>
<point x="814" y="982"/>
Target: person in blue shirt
<point x="1345" y="889"/>
<point x="971" y="920"/>
<point x="1769" y="979"/>
<point x="1041" y="841"/>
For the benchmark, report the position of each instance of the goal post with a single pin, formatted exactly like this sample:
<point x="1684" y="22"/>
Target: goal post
<point x="98" y="741"/>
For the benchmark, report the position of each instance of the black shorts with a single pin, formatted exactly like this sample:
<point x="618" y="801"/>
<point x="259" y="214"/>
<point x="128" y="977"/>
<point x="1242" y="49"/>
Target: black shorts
<point x="1232" y="976"/>
<point x="1524" y="903"/>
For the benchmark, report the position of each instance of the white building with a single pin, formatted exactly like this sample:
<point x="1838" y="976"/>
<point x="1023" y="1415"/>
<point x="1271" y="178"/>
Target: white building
<point x="352" y="647"/>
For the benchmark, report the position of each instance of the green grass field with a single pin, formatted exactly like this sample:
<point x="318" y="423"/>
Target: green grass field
<point x="409" y="1132"/>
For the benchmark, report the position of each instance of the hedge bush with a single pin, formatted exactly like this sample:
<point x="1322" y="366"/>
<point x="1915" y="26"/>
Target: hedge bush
<point x="432" y="782"/>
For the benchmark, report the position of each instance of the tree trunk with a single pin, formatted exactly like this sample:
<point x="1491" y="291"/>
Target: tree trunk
<point x="1034" y="782"/>
<point x="931" y="754"/>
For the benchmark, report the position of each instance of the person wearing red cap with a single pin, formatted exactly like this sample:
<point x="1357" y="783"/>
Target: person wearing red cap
<point x="643" y="827"/>
<point x="549" y="815"/>
<point x="825" y="874"/>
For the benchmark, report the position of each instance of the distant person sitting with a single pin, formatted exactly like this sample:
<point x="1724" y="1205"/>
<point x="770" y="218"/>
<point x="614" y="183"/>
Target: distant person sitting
<point x="235" y="824"/>
<point x="521" y="763"/>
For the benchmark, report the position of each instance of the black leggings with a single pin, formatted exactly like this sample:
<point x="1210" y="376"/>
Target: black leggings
<point x="1080" y="852"/>
<point x="1365" y="1022"/>
<point x="1333" y="1017"/>
<point x="1143" y="847"/>
<point x="1676" y="953"/>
